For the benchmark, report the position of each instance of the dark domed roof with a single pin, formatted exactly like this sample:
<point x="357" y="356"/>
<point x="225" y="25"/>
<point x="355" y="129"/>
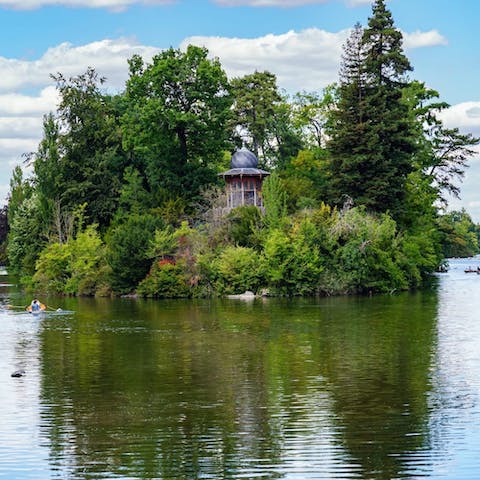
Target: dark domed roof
<point x="243" y="158"/>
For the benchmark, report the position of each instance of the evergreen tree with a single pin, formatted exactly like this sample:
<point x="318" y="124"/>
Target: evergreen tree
<point x="47" y="168"/>
<point x="25" y="238"/>
<point x="127" y="251"/>
<point x="350" y="155"/>
<point x="373" y="137"/>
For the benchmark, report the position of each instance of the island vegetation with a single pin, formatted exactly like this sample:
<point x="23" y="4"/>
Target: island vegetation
<point x="124" y="194"/>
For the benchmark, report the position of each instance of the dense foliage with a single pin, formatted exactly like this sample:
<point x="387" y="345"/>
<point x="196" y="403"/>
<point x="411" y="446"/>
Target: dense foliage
<point x="3" y="235"/>
<point x="461" y="236"/>
<point x="122" y="197"/>
<point x="173" y="127"/>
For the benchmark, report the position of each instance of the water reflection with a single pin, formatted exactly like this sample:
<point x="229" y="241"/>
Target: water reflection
<point x="454" y="423"/>
<point x="367" y="388"/>
<point x="277" y="389"/>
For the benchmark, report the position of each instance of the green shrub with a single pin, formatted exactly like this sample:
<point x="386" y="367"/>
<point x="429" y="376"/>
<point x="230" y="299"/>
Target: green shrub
<point x="367" y="252"/>
<point x="127" y="253"/>
<point x="88" y="270"/>
<point x="236" y="270"/>
<point x="165" y="280"/>
<point x="244" y="225"/>
<point x="77" y="267"/>
<point x="420" y="254"/>
<point x="292" y="262"/>
<point x="52" y="268"/>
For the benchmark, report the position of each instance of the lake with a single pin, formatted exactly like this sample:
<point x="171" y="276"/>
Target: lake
<point x="382" y="387"/>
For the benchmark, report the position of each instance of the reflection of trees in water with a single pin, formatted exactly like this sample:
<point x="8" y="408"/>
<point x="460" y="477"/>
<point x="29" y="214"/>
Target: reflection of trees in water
<point x="379" y="359"/>
<point x="23" y="358"/>
<point x="162" y="396"/>
<point x="185" y="390"/>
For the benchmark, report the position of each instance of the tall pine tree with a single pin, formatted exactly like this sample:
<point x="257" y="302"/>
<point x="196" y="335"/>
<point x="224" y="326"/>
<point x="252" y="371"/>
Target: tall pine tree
<point x="372" y="137"/>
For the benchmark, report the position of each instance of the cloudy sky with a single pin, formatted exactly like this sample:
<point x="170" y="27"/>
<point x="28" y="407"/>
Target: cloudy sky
<point x="298" y="40"/>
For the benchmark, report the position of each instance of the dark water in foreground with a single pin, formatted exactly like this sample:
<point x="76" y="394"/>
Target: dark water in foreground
<point x="366" y="388"/>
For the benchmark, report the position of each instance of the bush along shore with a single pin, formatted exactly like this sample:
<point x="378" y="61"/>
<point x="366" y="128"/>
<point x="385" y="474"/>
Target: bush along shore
<point x="320" y="251"/>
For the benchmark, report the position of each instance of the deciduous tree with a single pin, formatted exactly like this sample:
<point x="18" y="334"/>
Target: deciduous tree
<point x="80" y="157"/>
<point x="256" y="96"/>
<point x="174" y="127"/>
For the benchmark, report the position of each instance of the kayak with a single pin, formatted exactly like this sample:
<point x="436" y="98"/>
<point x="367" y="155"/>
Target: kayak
<point x="36" y="312"/>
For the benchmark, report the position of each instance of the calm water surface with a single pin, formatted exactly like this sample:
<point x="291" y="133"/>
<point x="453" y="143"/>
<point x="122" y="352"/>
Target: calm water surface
<point x="350" y="388"/>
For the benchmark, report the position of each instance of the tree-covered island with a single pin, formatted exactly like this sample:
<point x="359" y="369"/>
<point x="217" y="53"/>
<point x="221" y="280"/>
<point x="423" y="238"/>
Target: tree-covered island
<point x="125" y="192"/>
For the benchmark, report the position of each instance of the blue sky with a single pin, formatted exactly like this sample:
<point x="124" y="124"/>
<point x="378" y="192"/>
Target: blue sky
<point x="298" y="40"/>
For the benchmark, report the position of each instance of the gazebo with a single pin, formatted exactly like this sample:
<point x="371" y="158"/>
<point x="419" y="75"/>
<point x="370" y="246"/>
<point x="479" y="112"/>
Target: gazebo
<point x="244" y="180"/>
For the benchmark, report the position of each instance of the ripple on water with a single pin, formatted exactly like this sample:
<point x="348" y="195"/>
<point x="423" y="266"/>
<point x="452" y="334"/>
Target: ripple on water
<point x="327" y="389"/>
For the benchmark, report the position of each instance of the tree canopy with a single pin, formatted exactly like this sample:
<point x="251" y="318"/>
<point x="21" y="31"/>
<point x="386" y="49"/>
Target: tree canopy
<point x="176" y="109"/>
<point x="360" y="175"/>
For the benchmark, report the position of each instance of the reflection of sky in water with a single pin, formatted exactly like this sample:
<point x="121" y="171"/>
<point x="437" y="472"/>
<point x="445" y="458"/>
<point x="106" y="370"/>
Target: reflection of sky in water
<point x="20" y="454"/>
<point x="455" y="418"/>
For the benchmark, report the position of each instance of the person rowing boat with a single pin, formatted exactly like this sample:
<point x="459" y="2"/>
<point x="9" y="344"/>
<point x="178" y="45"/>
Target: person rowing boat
<point x="36" y="307"/>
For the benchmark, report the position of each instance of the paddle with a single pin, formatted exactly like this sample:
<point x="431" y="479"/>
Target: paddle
<point x="54" y="309"/>
<point x="24" y="307"/>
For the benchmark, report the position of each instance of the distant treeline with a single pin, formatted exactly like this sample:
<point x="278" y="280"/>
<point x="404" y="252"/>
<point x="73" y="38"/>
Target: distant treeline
<point x="125" y="188"/>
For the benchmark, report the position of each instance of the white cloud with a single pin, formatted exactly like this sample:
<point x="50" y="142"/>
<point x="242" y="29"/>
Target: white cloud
<point x="16" y="147"/>
<point x="465" y="116"/>
<point x="21" y="120"/>
<point x="114" y="5"/>
<point x="20" y="127"/>
<point x="108" y="56"/>
<point x="306" y="60"/>
<point x="16" y="104"/>
<point x="419" y="39"/>
<point x="283" y="3"/>
<point x="356" y="3"/>
<point x="469" y="198"/>
<point x="4" y="189"/>
<point x="267" y="3"/>
<point x="12" y="151"/>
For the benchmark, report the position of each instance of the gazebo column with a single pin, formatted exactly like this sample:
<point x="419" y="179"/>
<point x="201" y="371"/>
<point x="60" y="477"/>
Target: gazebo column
<point x="243" y="191"/>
